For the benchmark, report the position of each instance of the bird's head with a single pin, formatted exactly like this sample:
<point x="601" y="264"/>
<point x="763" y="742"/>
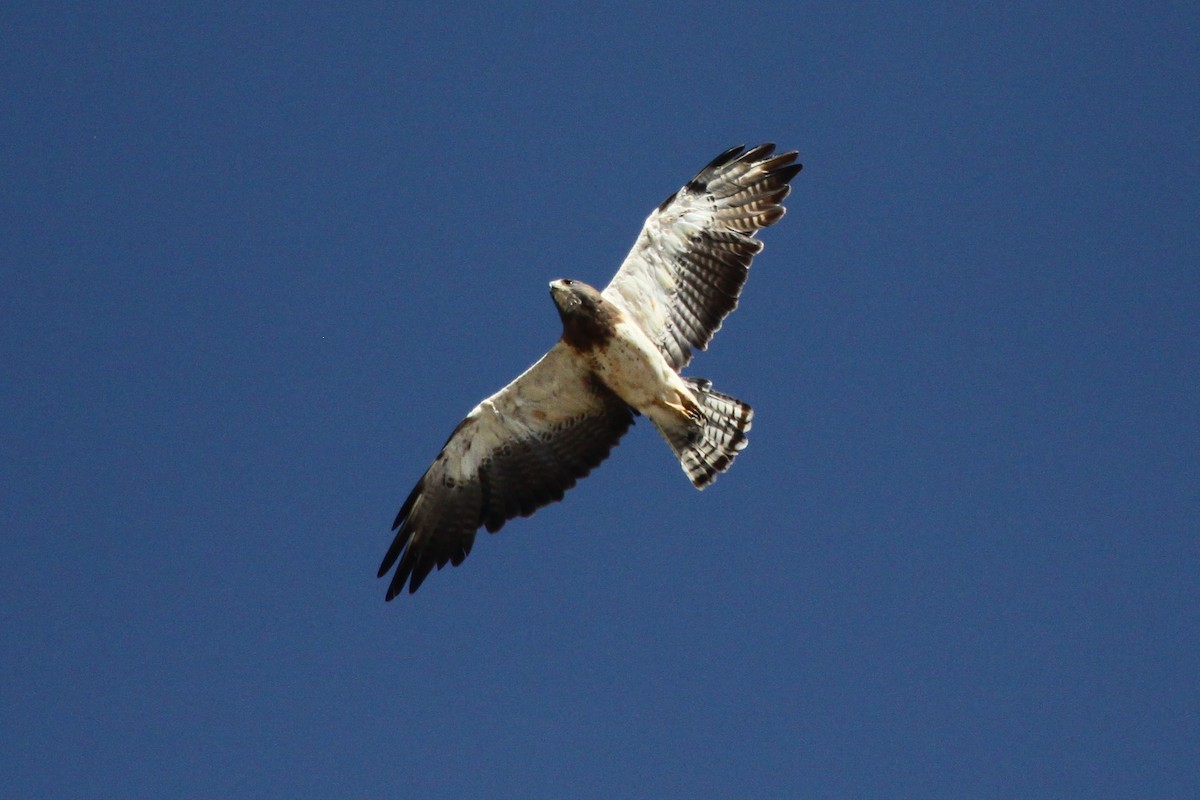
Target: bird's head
<point x="575" y="298"/>
<point x="588" y="319"/>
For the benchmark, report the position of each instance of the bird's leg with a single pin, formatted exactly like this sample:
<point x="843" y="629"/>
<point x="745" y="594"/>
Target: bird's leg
<point x="685" y="407"/>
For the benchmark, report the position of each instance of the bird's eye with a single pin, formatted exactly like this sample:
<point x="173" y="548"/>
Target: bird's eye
<point x="568" y="282"/>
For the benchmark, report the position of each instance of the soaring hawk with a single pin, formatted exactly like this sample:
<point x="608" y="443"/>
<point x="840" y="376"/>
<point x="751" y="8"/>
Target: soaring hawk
<point x="620" y="355"/>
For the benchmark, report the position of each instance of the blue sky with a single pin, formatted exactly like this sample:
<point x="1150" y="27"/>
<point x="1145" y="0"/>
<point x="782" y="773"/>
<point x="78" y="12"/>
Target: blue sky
<point x="258" y="262"/>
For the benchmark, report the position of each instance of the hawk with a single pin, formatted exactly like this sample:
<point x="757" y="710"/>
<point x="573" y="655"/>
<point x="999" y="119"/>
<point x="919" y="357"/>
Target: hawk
<point x="619" y="356"/>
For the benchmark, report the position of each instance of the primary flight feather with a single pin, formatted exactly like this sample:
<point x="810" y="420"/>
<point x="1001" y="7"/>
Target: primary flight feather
<point x="620" y="354"/>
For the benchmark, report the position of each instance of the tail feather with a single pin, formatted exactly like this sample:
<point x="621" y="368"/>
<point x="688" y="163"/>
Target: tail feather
<point x="706" y="450"/>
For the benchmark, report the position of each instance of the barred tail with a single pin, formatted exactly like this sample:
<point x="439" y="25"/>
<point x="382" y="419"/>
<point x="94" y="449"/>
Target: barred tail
<point x="705" y="451"/>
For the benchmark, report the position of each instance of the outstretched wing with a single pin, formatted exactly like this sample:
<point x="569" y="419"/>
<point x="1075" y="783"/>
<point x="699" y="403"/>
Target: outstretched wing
<point x="517" y="451"/>
<point x="688" y="265"/>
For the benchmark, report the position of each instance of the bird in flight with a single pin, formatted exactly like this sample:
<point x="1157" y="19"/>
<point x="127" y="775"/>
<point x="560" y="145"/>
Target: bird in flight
<point x="620" y="355"/>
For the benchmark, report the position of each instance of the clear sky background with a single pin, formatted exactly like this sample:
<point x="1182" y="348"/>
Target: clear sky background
<point x="258" y="262"/>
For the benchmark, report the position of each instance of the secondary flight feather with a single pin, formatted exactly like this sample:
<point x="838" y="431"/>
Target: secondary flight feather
<point x="620" y="354"/>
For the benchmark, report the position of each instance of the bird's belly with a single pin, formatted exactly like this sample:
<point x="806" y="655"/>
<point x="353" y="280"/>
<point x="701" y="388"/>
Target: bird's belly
<point x="635" y="370"/>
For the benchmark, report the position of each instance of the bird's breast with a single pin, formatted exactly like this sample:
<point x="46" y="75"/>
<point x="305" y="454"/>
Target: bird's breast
<point x="632" y="366"/>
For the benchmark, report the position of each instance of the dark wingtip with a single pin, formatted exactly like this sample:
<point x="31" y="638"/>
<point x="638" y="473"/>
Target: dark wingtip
<point x="419" y="573"/>
<point x="728" y="155"/>
<point x="787" y="173"/>
<point x="758" y="152"/>
<point x="393" y="553"/>
<point x="403" y="573"/>
<point x="700" y="182"/>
